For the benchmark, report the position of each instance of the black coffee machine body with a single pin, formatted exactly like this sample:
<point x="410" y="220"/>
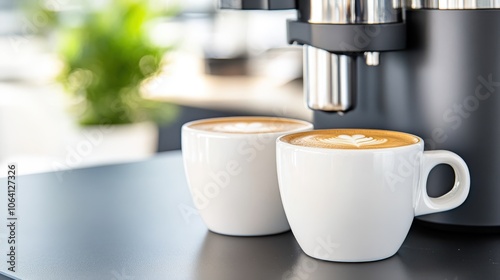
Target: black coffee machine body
<point x="431" y="68"/>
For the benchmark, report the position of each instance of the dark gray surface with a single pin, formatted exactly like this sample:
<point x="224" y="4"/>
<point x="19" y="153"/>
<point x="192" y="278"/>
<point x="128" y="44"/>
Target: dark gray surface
<point x="450" y="54"/>
<point x="125" y="222"/>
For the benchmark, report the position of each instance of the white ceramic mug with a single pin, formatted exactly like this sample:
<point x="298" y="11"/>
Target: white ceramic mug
<point x="231" y="173"/>
<point x="355" y="205"/>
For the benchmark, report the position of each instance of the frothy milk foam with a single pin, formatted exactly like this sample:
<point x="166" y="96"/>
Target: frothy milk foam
<point x="248" y="125"/>
<point x="351" y="139"/>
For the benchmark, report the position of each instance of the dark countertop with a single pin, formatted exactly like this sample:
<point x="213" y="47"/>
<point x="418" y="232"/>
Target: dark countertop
<point x="137" y="221"/>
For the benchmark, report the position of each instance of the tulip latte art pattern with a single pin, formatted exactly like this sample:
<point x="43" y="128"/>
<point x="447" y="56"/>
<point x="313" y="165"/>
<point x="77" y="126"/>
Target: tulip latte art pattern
<point x="357" y="140"/>
<point x="244" y="125"/>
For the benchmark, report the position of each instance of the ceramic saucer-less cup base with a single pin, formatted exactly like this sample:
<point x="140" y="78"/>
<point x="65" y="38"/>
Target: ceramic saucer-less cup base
<point x="346" y="214"/>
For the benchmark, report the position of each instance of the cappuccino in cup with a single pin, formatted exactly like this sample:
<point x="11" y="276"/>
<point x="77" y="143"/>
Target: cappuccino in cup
<point x="230" y="166"/>
<point x="250" y="125"/>
<point x="356" y="139"/>
<point x="358" y="190"/>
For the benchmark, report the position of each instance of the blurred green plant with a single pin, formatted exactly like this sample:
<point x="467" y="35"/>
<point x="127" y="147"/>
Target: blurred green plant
<point x="107" y="55"/>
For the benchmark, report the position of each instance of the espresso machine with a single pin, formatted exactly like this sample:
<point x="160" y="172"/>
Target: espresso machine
<point x="427" y="67"/>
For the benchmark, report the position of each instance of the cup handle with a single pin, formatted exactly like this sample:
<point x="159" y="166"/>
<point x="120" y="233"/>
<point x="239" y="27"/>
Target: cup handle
<point x="455" y="197"/>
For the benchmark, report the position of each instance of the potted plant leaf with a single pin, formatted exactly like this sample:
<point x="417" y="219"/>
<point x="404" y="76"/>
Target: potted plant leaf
<point x="106" y="55"/>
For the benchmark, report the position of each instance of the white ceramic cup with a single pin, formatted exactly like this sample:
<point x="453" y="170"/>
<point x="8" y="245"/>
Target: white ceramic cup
<point x="232" y="177"/>
<point x="352" y="205"/>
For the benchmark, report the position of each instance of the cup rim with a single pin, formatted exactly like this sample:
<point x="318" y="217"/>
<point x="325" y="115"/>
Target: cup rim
<point x="187" y="126"/>
<point x="279" y="141"/>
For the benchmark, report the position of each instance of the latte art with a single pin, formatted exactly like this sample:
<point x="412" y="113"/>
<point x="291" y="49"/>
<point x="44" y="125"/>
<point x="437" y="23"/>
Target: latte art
<point x="245" y="127"/>
<point x="351" y="139"/>
<point x="249" y="125"/>
<point x="356" y="140"/>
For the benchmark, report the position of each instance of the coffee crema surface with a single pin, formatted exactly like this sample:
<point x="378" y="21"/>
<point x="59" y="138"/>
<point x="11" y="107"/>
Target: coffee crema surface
<point x="351" y="139"/>
<point x="248" y="125"/>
